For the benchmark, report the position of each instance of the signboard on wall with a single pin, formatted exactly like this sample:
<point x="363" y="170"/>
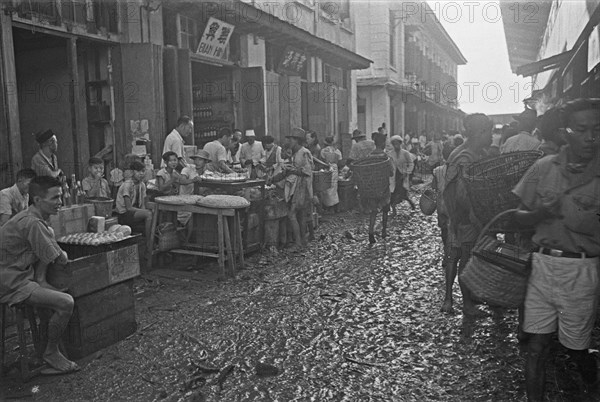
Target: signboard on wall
<point x="215" y="38"/>
<point x="292" y="62"/>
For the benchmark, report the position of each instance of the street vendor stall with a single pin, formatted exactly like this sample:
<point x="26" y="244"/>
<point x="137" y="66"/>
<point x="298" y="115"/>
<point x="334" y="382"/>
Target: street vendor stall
<point x="99" y="276"/>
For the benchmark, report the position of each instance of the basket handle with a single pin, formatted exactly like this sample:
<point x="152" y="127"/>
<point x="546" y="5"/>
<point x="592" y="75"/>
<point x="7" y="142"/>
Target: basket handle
<point x="492" y="221"/>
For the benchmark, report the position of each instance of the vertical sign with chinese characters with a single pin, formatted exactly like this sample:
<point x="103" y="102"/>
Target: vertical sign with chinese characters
<point x="215" y="38"/>
<point x="292" y="62"/>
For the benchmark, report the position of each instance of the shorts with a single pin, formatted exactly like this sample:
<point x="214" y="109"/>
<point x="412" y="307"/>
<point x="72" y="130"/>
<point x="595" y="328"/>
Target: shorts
<point x="562" y="295"/>
<point x="128" y="218"/>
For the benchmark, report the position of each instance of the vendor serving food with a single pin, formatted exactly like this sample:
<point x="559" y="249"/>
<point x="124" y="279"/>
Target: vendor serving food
<point x="27" y="247"/>
<point x="218" y="151"/>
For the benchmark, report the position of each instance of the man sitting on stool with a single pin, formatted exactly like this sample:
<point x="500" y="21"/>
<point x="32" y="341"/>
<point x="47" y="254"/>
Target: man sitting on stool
<point x="27" y="247"/>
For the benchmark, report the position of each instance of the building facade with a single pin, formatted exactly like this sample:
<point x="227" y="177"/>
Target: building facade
<point x="411" y="85"/>
<point x="559" y="48"/>
<point x="111" y="77"/>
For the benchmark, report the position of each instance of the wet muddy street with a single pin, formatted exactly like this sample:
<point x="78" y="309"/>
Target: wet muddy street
<point x="342" y="321"/>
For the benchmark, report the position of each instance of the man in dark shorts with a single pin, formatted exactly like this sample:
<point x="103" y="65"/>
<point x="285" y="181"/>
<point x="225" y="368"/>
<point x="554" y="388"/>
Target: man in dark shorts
<point x="27" y="247"/>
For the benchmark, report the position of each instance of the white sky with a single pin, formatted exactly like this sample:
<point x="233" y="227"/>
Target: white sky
<point x="476" y="27"/>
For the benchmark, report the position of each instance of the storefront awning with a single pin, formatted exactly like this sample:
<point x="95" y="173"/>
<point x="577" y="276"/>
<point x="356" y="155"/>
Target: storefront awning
<point x="550" y="63"/>
<point x="249" y="19"/>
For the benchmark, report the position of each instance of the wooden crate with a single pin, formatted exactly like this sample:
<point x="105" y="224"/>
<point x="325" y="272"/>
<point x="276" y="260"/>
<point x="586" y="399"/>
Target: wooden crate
<point x="101" y="319"/>
<point x="89" y="274"/>
<point x="72" y="219"/>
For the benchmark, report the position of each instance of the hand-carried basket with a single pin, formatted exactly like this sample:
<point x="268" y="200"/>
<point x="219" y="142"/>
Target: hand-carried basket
<point x="372" y="176"/>
<point x="428" y="202"/>
<point x="490" y="182"/>
<point x="322" y="180"/>
<point x="167" y="237"/>
<point x="497" y="273"/>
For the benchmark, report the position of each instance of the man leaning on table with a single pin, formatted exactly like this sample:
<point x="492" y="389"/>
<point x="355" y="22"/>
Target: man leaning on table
<point x="560" y="199"/>
<point x="27" y="248"/>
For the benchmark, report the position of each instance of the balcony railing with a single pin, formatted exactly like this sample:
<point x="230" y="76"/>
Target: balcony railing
<point x="96" y="16"/>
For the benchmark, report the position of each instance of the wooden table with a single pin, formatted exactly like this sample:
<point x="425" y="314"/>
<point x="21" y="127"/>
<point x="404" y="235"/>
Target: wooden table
<point x="225" y="237"/>
<point x="231" y="188"/>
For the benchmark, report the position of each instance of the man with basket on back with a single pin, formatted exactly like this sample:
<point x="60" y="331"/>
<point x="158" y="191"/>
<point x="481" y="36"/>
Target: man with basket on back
<point x="560" y="199"/>
<point x="463" y="226"/>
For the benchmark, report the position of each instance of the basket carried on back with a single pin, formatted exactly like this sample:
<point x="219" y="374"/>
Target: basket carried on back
<point x="372" y="176"/>
<point x="490" y="182"/>
<point x="322" y="180"/>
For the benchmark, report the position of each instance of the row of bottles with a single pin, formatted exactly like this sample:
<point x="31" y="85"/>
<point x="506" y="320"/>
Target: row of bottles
<point x="201" y="113"/>
<point x="206" y="132"/>
<point x="74" y="194"/>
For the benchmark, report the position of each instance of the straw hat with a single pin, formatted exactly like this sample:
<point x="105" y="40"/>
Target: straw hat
<point x="297" y="133"/>
<point x="250" y="133"/>
<point x="201" y="154"/>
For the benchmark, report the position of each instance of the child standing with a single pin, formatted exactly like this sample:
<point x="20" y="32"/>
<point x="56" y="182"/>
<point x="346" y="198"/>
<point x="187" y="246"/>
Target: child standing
<point x="95" y="185"/>
<point x="131" y="200"/>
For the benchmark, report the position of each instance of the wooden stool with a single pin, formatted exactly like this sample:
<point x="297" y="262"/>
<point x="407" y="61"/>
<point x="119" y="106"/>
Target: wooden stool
<point x="21" y="311"/>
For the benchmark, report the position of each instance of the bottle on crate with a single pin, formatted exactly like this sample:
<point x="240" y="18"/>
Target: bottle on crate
<point x="80" y="193"/>
<point x="74" y="190"/>
<point x="67" y="202"/>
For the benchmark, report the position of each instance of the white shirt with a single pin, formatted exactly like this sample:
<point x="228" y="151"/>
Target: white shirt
<point x="12" y="201"/>
<point x="520" y="142"/>
<point x="254" y="152"/>
<point x="216" y="151"/>
<point x="173" y="142"/>
<point x="190" y="172"/>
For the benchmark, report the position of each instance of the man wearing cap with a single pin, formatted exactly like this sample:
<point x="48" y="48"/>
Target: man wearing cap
<point x="217" y="150"/>
<point x="361" y="148"/>
<point x="523" y="141"/>
<point x="190" y="175"/>
<point x="45" y="162"/>
<point x="175" y="140"/>
<point x="251" y="153"/>
<point x="298" y="185"/>
<point x="560" y="200"/>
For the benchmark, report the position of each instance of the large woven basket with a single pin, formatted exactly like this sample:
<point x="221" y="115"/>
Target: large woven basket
<point x="503" y="286"/>
<point x="490" y="182"/>
<point x="322" y="180"/>
<point x="372" y="176"/>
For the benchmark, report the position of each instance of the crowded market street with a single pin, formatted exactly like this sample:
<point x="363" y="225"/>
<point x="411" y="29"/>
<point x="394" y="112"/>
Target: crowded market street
<point x="342" y="321"/>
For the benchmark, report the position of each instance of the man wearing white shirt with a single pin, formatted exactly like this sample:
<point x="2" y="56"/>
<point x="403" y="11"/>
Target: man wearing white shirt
<point x="217" y="150"/>
<point x="175" y="140"/>
<point x="523" y="141"/>
<point x="252" y="152"/>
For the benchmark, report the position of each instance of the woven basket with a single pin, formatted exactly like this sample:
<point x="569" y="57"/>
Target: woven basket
<point x="167" y="237"/>
<point x="428" y="202"/>
<point x="372" y="176"/>
<point x="322" y="180"/>
<point x="490" y="182"/>
<point x="102" y="206"/>
<point x="498" y="285"/>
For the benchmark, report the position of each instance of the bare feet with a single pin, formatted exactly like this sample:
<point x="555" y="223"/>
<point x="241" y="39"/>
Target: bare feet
<point x="59" y="362"/>
<point x="447" y="307"/>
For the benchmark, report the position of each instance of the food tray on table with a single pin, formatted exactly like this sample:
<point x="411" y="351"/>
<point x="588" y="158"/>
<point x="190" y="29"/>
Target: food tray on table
<point x="184" y="199"/>
<point x="215" y="177"/>
<point x="78" y="250"/>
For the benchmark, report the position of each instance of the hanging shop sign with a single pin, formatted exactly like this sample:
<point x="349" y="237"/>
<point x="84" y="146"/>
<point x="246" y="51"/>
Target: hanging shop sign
<point x="594" y="48"/>
<point x="215" y="38"/>
<point x="292" y="62"/>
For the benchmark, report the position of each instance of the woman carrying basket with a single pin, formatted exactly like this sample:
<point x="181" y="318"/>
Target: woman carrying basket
<point x="372" y="203"/>
<point x="463" y="226"/>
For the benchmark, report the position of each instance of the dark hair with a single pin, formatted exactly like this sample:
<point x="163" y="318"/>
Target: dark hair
<point x="356" y="132"/>
<point x="457" y="141"/>
<point x="378" y="139"/>
<point x="167" y="155"/>
<point x="267" y="139"/>
<point x="578" y="105"/>
<point x="225" y="131"/>
<point x="549" y="124"/>
<point x="471" y="121"/>
<point x="25" y="174"/>
<point x="41" y="184"/>
<point x="237" y="129"/>
<point x="183" y="120"/>
<point x="312" y="134"/>
<point x="95" y="161"/>
<point x="137" y="166"/>
<point x="328" y="140"/>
